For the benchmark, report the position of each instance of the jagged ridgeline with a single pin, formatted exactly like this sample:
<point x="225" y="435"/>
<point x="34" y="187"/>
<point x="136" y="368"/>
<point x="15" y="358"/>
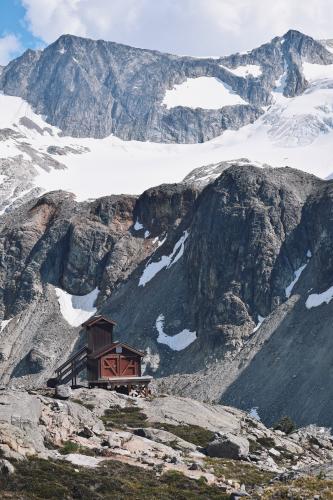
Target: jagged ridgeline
<point x="93" y="88"/>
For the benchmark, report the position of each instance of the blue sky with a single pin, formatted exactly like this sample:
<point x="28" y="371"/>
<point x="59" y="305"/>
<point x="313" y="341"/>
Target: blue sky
<point x="193" y="27"/>
<point x="12" y="20"/>
<point x="15" y="35"/>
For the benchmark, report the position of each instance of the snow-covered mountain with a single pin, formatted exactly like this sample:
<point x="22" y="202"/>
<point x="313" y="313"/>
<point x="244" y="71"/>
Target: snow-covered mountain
<point x="222" y="256"/>
<point x="292" y="125"/>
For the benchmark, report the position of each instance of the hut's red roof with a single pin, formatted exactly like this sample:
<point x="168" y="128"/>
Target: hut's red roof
<point x="97" y="319"/>
<point x="110" y="347"/>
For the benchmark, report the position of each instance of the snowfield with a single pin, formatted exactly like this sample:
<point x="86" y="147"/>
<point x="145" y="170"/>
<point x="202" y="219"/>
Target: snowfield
<point x="313" y="72"/>
<point x="295" y="132"/>
<point x="202" y="92"/>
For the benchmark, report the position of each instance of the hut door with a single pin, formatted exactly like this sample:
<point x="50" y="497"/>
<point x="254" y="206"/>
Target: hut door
<point x="110" y="366"/>
<point x="128" y="366"/>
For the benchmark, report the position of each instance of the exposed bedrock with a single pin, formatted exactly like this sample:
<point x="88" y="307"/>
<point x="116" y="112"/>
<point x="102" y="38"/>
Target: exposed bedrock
<point x="212" y="283"/>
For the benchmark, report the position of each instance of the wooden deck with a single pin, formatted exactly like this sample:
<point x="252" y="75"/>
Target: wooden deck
<point x="123" y="380"/>
<point x="114" y="383"/>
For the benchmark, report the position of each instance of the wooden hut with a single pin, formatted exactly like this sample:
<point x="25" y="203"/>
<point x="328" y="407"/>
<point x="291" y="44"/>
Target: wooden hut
<point x="109" y="364"/>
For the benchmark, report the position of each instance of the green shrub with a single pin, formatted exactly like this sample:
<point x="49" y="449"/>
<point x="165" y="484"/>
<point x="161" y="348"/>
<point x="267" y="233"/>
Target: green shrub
<point x="286" y="425"/>
<point x="72" y="447"/>
<point x="69" y="447"/>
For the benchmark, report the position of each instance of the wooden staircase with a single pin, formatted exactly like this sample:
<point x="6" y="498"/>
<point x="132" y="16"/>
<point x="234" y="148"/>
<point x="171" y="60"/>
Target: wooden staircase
<point x="72" y="367"/>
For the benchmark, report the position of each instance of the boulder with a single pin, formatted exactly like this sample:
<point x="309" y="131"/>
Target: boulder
<point x="235" y="495"/>
<point x="6" y="468"/>
<point x="165" y="437"/>
<point x="63" y="391"/>
<point x="86" y="432"/>
<point x="114" y="441"/>
<point x="229" y="446"/>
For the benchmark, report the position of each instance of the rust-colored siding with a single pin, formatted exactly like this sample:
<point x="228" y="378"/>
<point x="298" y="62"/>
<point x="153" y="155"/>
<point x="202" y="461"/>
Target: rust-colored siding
<point x="119" y="365"/>
<point x="99" y="336"/>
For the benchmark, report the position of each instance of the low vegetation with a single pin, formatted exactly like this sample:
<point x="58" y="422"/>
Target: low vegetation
<point x="42" y="479"/>
<point x="121" y="418"/>
<point x="72" y="447"/>
<point x="240" y="472"/>
<point x="304" y="488"/>
<point x="191" y="433"/>
<point x="132" y="417"/>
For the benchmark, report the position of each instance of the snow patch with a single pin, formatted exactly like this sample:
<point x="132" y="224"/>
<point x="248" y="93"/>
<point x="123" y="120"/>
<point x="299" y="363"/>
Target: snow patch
<point x="176" y="342"/>
<point x="166" y="261"/>
<point x="158" y="241"/>
<point x="4" y="323"/>
<point x="297" y="274"/>
<point x="76" y="309"/>
<point x="280" y="85"/>
<point x="317" y="299"/>
<point x="258" y="325"/>
<point x="202" y="92"/>
<point x="245" y="71"/>
<point x="138" y="226"/>
<point x="254" y="413"/>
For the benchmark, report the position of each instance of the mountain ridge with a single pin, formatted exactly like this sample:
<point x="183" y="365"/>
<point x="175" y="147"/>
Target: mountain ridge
<point x="211" y="275"/>
<point x="123" y="87"/>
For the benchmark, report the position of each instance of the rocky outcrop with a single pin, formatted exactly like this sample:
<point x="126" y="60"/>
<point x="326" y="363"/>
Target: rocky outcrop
<point x="202" y="280"/>
<point x="93" y="88"/>
<point x="36" y="424"/>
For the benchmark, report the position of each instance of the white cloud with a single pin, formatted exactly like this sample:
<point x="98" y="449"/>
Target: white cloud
<point x="198" y="27"/>
<point x="10" y="46"/>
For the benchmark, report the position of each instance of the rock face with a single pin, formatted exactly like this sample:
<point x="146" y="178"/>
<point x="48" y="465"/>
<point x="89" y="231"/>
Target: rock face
<point x="95" y="88"/>
<point x="202" y="279"/>
<point x="33" y="424"/>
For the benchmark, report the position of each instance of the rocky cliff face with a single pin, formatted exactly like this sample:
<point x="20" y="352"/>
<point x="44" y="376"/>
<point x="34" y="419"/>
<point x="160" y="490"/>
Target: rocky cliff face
<point x="225" y="279"/>
<point x="221" y="284"/>
<point x="95" y="88"/>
